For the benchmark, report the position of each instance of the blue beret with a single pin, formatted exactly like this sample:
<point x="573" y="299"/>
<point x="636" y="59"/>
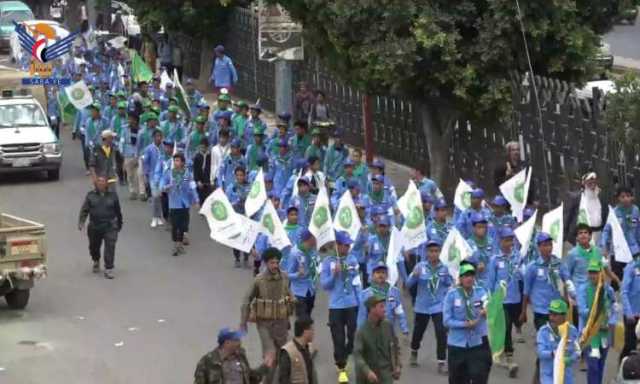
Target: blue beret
<point x="285" y="116"/>
<point x="378" y="210"/>
<point x="426" y="197"/>
<point x="236" y="143"/>
<point x="348" y="163"/>
<point x="378" y="178"/>
<point x="167" y="142"/>
<point x="527" y="213"/>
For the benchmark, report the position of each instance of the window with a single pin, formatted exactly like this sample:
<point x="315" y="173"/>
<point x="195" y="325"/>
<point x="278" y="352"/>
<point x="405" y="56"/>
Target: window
<point x="21" y="115"/>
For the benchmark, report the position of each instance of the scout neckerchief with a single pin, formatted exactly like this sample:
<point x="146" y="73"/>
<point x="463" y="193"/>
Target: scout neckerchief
<point x="146" y="136"/>
<point x="344" y="270"/>
<point x="555" y="334"/>
<point x="510" y="265"/>
<point x="91" y="128"/>
<point x="117" y="125"/>
<point x="196" y="136"/>
<point x="468" y="305"/>
<point x="604" y="306"/>
<point x="434" y="282"/>
<point x="482" y="244"/>
<point x="552" y="274"/>
<point x="177" y="177"/>
<point x="380" y="291"/>
<point x="384" y="241"/>
<point x="377" y="197"/>
<point x="441" y="228"/>
<point x="290" y="227"/>
<point x="627" y="217"/>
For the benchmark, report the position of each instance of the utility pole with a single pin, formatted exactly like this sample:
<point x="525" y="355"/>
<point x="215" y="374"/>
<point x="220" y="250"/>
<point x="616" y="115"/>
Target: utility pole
<point x="284" y="86"/>
<point x="367" y="124"/>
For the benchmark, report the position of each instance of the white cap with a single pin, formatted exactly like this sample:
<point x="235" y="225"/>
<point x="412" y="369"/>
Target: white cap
<point x="589" y="176"/>
<point x="108" y="132"/>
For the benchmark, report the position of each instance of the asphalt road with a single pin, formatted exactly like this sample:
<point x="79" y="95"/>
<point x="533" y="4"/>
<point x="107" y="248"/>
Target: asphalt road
<point x="623" y="40"/>
<point x="160" y="314"/>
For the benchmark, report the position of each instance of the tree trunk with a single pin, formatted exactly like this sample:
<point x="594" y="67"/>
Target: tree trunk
<point x="438" y="121"/>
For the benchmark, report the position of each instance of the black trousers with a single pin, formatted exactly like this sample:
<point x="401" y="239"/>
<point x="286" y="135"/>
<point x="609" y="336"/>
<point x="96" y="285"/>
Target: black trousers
<point x="365" y="275"/>
<point x="342" y="323"/>
<point x="420" y="324"/>
<point x="470" y="365"/>
<point x="164" y="201"/>
<point x="409" y="265"/>
<point x="204" y="192"/>
<point x="179" y="223"/>
<point x="630" y="339"/>
<point x="86" y="152"/>
<point x="236" y="255"/>
<point x="511" y="314"/>
<point x="304" y="305"/>
<point x="120" y="167"/>
<point x="96" y="238"/>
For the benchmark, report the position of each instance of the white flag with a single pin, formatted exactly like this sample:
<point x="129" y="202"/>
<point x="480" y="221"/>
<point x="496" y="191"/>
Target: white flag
<point x="320" y="224"/>
<point x="559" y="367"/>
<point x="524" y="233"/>
<point x="79" y="95"/>
<point x="242" y="241"/>
<point x="164" y="80"/>
<point x="294" y="191"/>
<point x="347" y="218"/>
<point x="257" y="195"/>
<point x="222" y="219"/>
<point x="553" y="224"/>
<point x="462" y="197"/>
<point x="393" y="255"/>
<point x="117" y="42"/>
<point x="454" y="250"/>
<point x="414" y="231"/>
<point x="621" y="249"/>
<point x="272" y="227"/>
<point x="516" y="191"/>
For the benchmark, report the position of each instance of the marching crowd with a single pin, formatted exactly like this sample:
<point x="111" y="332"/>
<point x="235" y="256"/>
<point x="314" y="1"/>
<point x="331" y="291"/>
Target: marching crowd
<point x="173" y="150"/>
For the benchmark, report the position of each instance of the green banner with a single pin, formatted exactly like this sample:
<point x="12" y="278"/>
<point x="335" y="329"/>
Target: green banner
<point x="140" y="71"/>
<point x="67" y="110"/>
<point x="496" y="321"/>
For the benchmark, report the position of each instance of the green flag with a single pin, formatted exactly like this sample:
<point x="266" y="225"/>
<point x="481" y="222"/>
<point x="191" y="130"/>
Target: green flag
<point x="140" y="71"/>
<point x="181" y="95"/>
<point x="67" y="110"/>
<point x="496" y="321"/>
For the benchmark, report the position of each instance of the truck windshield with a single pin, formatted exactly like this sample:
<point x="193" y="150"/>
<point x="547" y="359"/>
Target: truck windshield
<point x="21" y="115"/>
<point x="7" y="17"/>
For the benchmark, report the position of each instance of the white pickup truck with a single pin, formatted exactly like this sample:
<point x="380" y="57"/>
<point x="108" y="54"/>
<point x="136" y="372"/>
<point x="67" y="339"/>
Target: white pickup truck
<point x="27" y="142"/>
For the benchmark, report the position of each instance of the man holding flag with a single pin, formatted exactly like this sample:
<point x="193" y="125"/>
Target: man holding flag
<point x="303" y="273"/>
<point x="557" y="346"/>
<point x="481" y="246"/>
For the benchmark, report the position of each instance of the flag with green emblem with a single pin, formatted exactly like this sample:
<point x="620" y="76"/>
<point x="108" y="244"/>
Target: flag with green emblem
<point x="273" y="228"/>
<point x="347" y="218"/>
<point x="79" y="95"/>
<point x="516" y="191"/>
<point x="414" y="230"/>
<point x="496" y="322"/>
<point x="222" y="219"/>
<point x="257" y="195"/>
<point x="462" y="197"/>
<point x="454" y="250"/>
<point x="181" y="95"/>
<point x="140" y="71"/>
<point x="321" y="225"/>
<point x="553" y="224"/>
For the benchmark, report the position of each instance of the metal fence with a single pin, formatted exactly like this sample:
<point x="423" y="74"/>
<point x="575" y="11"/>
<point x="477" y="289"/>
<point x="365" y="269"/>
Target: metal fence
<point x="571" y="140"/>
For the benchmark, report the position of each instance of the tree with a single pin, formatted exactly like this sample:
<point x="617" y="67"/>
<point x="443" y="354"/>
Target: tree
<point x="453" y="57"/>
<point x="622" y="114"/>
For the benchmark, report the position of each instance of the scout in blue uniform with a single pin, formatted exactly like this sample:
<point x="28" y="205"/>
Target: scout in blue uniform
<point x="254" y="123"/>
<point x="304" y="201"/>
<point x="293" y="233"/>
<point x="172" y="128"/>
<point x="424" y="183"/>
<point x="598" y="346"/>
<point x="378" y="244"/>
<point x="303" y="272"/>
<point x="237" y="193"/>
<point x="299" y="168"/>
<point x="232" y="161"/>
<point x="339" y="277"/>
<point x="358" y="249"/>
<point x="334" y="158"/>
<point x="151" y="156"/>
<point x="463" y="223"/>
<point x="543" y="282"/>
<point x="316" y="149"/>
<point x="630" y="297"/>
<point x="179" y="185"/>
<point x="118" y="125"/>
<point x="427" y="207"/>
<point x="464" y="313"/>
<point x="194" y="138"/>
<point x="379" y="196"/>
<point x="257" y="149"/>
<point x="438" y="228"/>
<point x="547" y="341"/>
<point x="377" y="168"/>
<point x="380" y="287"/>
<point x="433" y="281"/>
<point x="503" y="270"/>
<point x="499" y="218"/>
<point x="628" y="215"/>
<point x="162" y="167"/>
<point x="282" y="166"/>
<point x="145" y="137"/>
<point x="340" y="184"/>
<point x="481" y="247"/>
<point x="300" y="141"/>
<point x="194" y="97"/>
<point x="281" y="134"/>
<point x="93" y="127"/>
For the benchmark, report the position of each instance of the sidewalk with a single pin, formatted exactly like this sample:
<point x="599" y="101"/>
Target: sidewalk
<point x="398" y="173"/>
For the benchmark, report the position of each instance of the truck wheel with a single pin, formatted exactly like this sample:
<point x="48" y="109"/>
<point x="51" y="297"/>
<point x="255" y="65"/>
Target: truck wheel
<point x="53" y="174"/>
<point x="18" y="298"/>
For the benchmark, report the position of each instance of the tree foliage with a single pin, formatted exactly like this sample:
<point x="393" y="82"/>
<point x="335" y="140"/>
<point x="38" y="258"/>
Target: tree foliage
<point x="459" y="51"/>
<point x="622" y="114"/>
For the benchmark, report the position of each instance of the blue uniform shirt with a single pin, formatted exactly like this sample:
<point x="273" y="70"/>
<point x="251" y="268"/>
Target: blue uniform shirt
<point x="631" y="289"/>
<point x="150" y="158"/>
<point x="343" y="288"/>
<point x="630" y="222"/>
<point x="505" y="268"/>
<point x="547" y="343"/>
<point x="376" y="250"/>
<point x="483" y="252"/>
<point x="306" y="284"/>
<point x="433" y="284"/>
<point x="463" y="222"/>
<point x="542" y="281"/>
<point x="226" y="173"/>
<point x="438" y="231"/>
<point x="305" y="205"/>
<point x="577" y="265"/>
<point x="457" y="309"/>
<point x="181" y="190"/>
<point x="393" y="305"/>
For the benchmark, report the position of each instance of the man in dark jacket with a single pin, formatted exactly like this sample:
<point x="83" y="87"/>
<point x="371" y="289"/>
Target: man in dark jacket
<point x="202" y="170"/>
<point x="102" y="161"/>
<point x="594" y="212"/>
<point x="105" y="221"/>
<point x="228" y="363"/>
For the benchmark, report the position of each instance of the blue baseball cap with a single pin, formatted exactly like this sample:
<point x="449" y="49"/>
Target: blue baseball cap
<point x="433" y="243"/>
<point x="506" y="232"/>
<point x="477" y="218"/>
<point x="353" y="184"/>
<point x="379" y="265"/>
<point x="348" y="163"/>
<point x="237" y="143"/>
<point x="343" y="237"/>
<point x="377" y="163"/>
<point x="426" y="197"/>
<point x="378" y="178"/>
<point x="500" y="201"/>
<point x="440" y="204"/>
<point x="305" y="235"/>
<point x="477" y="193"/>
<point x="226" y="334"/>
<point x="542" y="237"/>
<point x="384" y="220"/>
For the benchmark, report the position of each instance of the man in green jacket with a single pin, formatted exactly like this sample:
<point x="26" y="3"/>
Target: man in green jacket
<point x="376" y="351"/>
<point x="228" y="363"/>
